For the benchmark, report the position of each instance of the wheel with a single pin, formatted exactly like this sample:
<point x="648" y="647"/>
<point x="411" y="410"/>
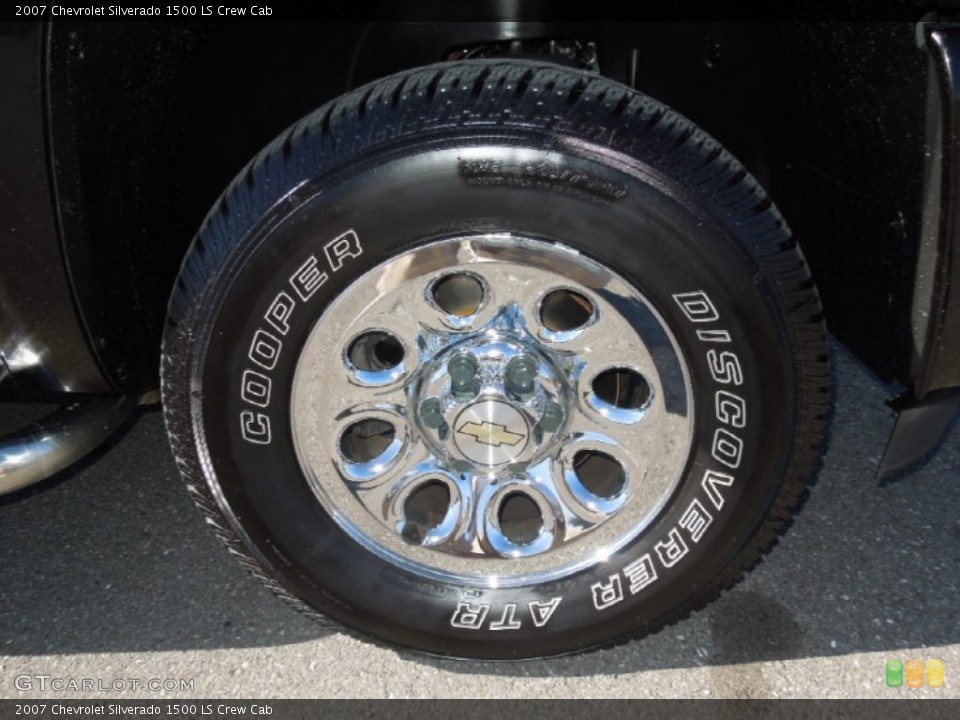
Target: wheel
<point x="496" y="360"/>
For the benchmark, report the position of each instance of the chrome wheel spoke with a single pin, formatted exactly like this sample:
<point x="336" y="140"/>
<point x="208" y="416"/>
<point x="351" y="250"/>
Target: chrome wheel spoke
<point x="349" y="399"/>
<point x="370" y="441"/>
<point x="634" y="441"/>
<point x="404" y="501"/>
<point x="518" y="519"/>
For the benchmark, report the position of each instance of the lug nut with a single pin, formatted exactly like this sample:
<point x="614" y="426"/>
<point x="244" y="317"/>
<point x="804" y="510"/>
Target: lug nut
<point x="461" y="466"/>
<point x="519" y="377"/>
<point x="464" y="383"/>
<point x="552" y="417"/>
<point x="430" y="413"/>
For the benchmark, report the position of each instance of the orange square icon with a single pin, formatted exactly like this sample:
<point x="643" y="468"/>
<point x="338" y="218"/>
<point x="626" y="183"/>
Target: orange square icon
<point x="935" y="673"/>
<point x="915" y="673"/>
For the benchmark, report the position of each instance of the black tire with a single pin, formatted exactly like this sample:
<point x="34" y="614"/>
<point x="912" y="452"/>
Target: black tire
<point x="604" y="170"/>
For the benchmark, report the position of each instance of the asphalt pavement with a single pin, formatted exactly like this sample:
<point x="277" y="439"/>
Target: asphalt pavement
<point x="108" y="573"/>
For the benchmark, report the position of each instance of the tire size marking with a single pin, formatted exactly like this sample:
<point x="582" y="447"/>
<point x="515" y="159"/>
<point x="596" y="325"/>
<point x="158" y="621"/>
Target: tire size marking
<point x="471" y="614"/>
<point x="730" y="412"/>
<point x="527" y="169"/>
<point x="266" y="346"/>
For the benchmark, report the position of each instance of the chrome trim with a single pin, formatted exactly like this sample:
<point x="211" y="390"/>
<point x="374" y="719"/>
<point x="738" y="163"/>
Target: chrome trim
<point x="4" y="370"/>
<point x="57" y="441"/>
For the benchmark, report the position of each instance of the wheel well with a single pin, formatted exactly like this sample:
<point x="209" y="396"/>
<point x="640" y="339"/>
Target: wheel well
<point x="148" y="124"/>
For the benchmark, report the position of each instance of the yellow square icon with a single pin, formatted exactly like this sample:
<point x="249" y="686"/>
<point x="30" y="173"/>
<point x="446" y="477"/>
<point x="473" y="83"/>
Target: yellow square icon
<point x="935" y="673"/>
<point x="915" y="673"/>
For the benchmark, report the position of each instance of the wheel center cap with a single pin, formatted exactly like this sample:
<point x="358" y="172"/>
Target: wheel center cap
<point x="491" y="433"/>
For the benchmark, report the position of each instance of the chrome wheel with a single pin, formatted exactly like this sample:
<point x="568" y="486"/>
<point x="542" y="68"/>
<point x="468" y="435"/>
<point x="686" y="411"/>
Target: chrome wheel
<point x="493" y="410"/>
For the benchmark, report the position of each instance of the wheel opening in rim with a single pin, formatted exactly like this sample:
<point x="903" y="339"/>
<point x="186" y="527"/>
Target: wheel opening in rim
<point x="622" y="388"/>
<point x="375" y="351"/>
<point x="424" y="509"/>
<point x="519" y="518"/>
<point x="366" y="440"/>
<point x="460" y="295"/>
<point x="599" y="473"/>
<point x="565" y="310"/>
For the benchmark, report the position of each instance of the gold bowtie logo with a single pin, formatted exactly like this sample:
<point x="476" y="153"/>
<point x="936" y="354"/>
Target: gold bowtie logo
<point x="489" y="433"/>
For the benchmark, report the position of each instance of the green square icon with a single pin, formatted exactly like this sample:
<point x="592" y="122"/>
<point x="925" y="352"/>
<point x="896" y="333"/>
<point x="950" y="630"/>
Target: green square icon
<point x="894" y="673"/>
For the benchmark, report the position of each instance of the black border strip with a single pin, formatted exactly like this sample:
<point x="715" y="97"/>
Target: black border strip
<point x="485" y="709"/>
<point x="497" y="10"/>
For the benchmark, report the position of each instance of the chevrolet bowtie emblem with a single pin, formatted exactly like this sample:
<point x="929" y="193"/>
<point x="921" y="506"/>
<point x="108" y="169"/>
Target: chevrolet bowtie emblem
<point x="489" y="433"/>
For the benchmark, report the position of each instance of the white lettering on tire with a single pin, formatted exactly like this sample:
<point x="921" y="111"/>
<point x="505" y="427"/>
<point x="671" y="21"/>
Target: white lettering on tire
<point x="607" y="593"/>
<point x="697" y="306"/>
<point x="345" y="246"/>
<point x="727" y="448"/>
<point x="673" y="549"/>
<point x="541" y="613"/>
<point x="279" y="312"/>
<point x="255" y="388"/>
<point x="507" y="621"/>
<point x="266" y="345"/>
<point x="471" y="614"/>
<point x="730" y="413"/>
<point x="696" y="520"/>
<point x="255" y="427"/>
<point x="640" y="573"/>
<point x="265" y="350"/>
<point x="712" y="482"/>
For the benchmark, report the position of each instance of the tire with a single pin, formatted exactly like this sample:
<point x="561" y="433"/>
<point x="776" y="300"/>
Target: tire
<point x="496" y="360"/>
